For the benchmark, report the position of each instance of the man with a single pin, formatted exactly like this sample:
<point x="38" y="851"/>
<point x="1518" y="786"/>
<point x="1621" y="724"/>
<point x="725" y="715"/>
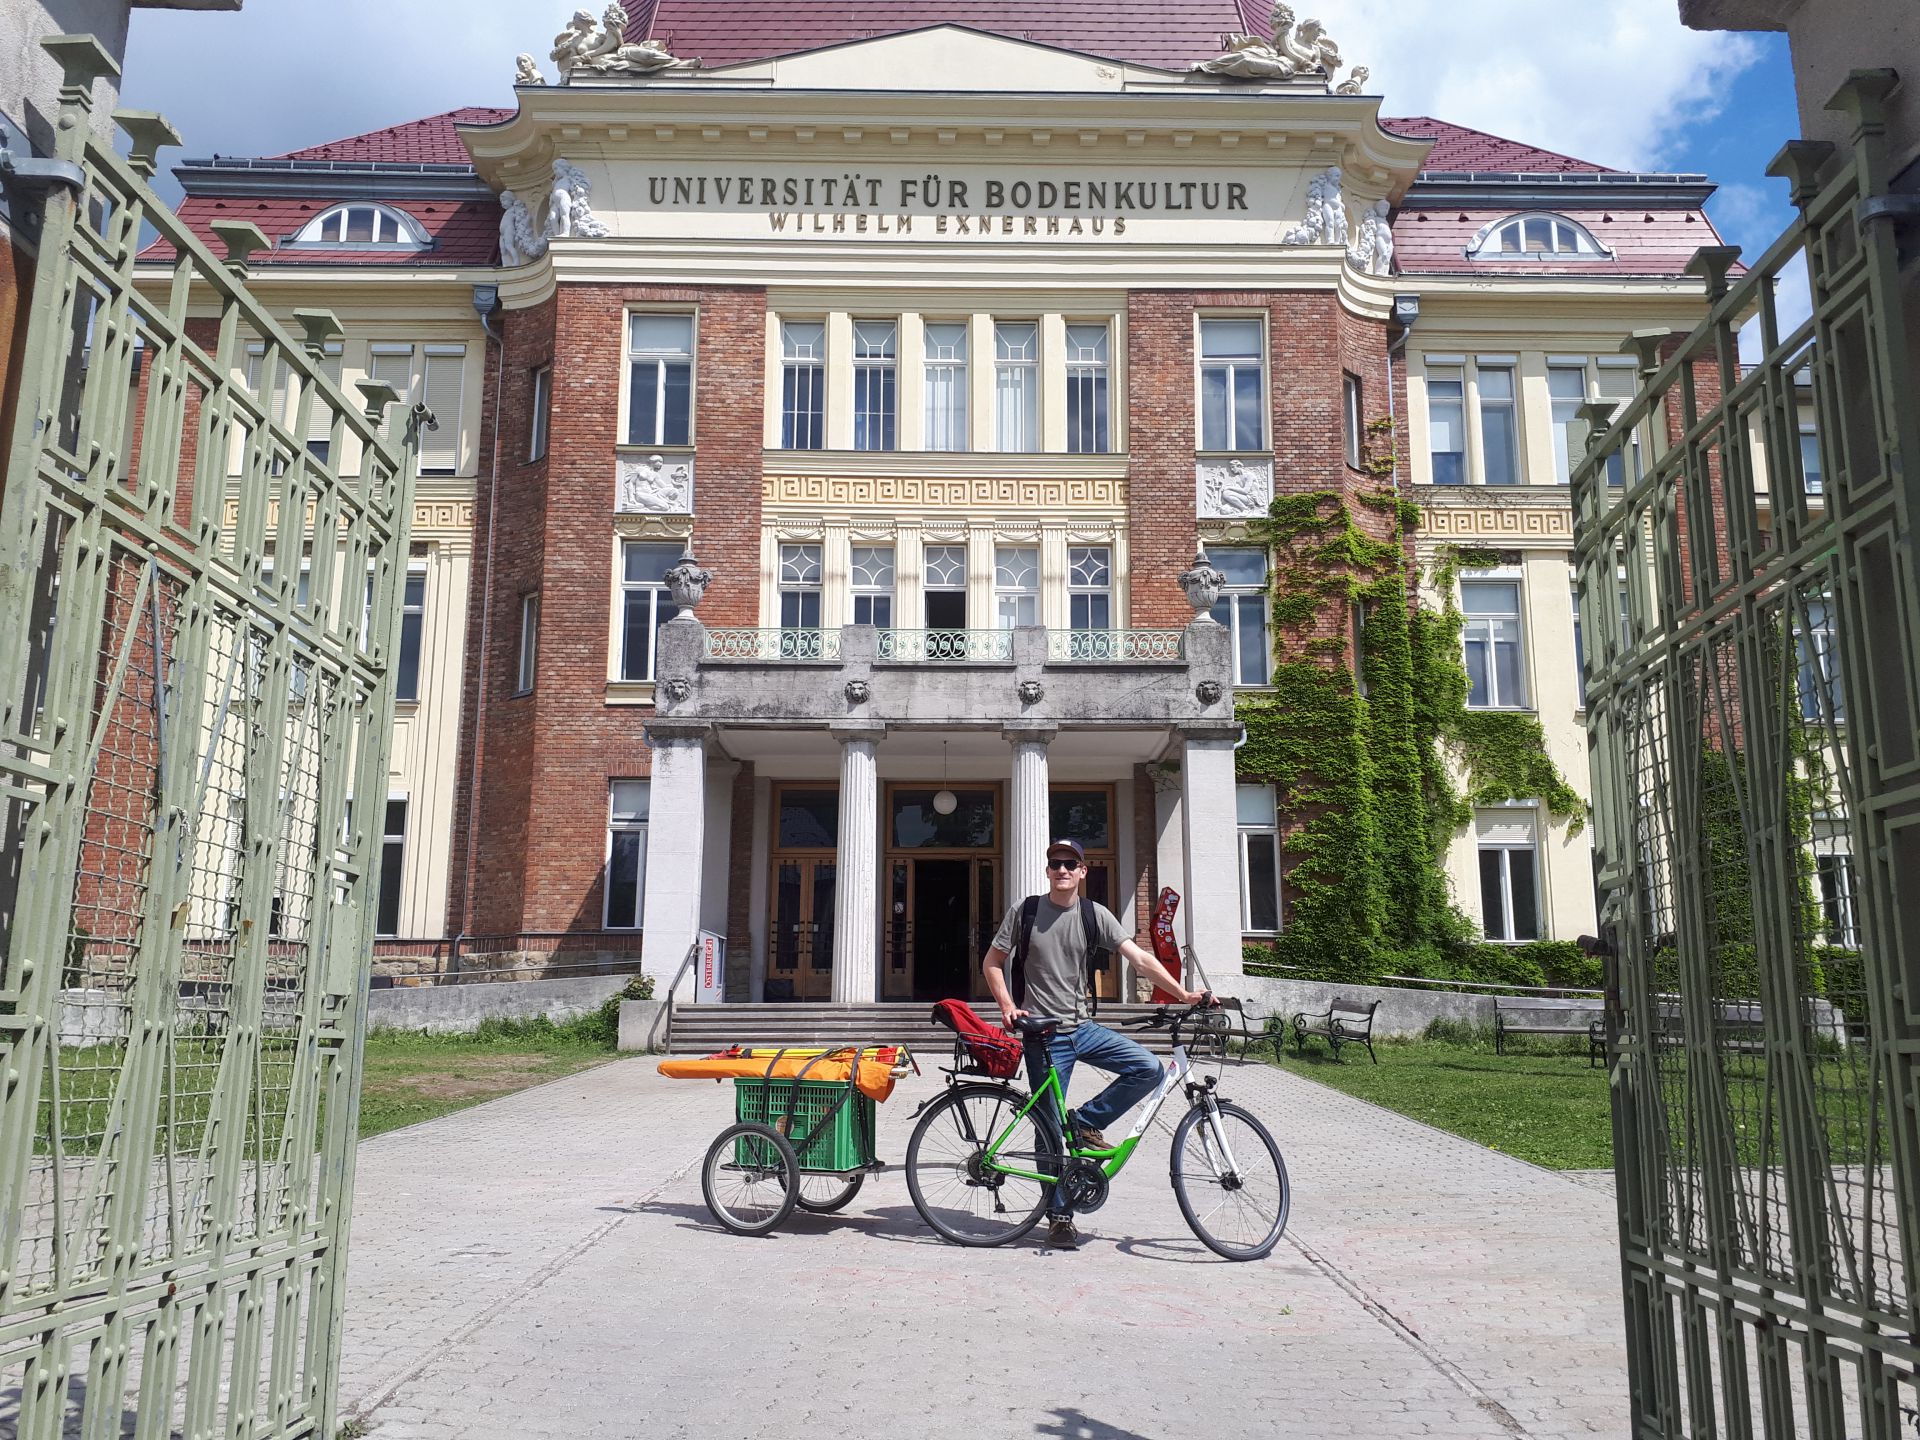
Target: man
<point x="1055" y="972"/>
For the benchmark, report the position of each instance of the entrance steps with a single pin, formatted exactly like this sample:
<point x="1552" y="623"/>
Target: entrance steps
<point x="704" y="1029"/>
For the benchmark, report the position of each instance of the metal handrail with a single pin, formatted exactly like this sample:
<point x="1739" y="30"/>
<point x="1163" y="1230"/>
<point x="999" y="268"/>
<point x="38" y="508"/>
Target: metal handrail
<point x="771" y="644"/>
<point x="673" y="988"/>
<point x="944" y="645"/>
<point x="1116" y="645"/>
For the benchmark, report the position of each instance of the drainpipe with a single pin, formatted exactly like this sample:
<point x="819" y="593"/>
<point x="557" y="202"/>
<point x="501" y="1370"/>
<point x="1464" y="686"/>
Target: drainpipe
<point x="1406" y="314"/>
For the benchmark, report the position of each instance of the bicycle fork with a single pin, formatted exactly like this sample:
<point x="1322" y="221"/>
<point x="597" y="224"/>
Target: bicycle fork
<point x="1214" y="1144"/>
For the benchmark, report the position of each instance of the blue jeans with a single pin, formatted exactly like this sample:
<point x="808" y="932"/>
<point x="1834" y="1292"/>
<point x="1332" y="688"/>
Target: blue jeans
<point x="1135" y="1074"/>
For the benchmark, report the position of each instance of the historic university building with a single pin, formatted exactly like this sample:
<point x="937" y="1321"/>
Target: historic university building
<point x="875" y="438"/>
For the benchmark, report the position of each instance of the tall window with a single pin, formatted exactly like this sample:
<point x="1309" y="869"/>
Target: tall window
<point x="1810" y="472"/>
<point x="944" y="585"/>
<point x="1089" y="587"/>
<point x="1567" y="390"/>
<point x="393" y="863"/>
<point x="1231" y="385"/>
<point x="529" y="642"/>
<point x="1616" y="382"/>
<point x="1509" y="874"/>
<point x="799" y="587"/>
<point x="1354" y="426"/>
<point x="644" y="604"/>
<point x="1499" y="425"/>
<point x="542" y="411"/>
<point x="1016" y="586"/>
<point x="875" y="381"/>
<point x="1496" y="672"/>
<point x="413" y="622"/>
<point x="660" y="380"/>
<point x="626" y="852"/>
<point x="1087" y="424"/>
<point x="1259" y="859"/>
<point x="803" y="385"/>
<point x="1579" y="649"/>
<point x="1816" y="646"/>
<point x="946" y="384"/>
<point x="1834" y="873"/>
<point x="873" y="585"/>
<point x="1242" y="608"/>
<point x="1447" y="424"/>
<point x="320" y="416"/>
<point x="1016" y="388"/>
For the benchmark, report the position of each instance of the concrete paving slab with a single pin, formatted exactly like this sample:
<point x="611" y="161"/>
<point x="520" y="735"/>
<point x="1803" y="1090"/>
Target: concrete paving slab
<point x="544" y="1265"/>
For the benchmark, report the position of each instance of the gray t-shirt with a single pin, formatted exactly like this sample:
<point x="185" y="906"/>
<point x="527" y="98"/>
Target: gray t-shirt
<point x="1057" y="956"/>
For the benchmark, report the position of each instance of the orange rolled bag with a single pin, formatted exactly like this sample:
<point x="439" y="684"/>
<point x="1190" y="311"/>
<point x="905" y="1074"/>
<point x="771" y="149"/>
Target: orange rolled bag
<point x="879" y="1066"/>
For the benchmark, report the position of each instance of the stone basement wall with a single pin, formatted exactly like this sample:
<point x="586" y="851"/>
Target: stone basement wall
<point x="453" y="1009"/>
<point x="1402" y="1012"/>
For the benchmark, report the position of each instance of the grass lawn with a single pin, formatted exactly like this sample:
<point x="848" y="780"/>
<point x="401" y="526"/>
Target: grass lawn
<point x="1542" y="1106"/>
<point x="412" y="1077"/>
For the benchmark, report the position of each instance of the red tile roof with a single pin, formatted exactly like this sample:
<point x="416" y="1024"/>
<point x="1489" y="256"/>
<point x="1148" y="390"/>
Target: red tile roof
<point x="463" y="232"/>
<point x="1457" y="148"/>
<point x="1170" y="34"/>
<point x="430" y="141"/>
<point x="1644" y="242"/>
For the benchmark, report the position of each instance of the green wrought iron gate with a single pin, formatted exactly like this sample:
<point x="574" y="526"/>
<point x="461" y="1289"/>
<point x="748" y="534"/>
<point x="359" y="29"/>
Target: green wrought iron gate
<point x="201" y="540"/>
<point x="1749" y="593"/>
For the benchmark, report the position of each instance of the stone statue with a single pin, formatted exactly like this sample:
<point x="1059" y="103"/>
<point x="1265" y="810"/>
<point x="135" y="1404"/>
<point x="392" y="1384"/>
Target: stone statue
<point x="603" y="49"/>
<point x="1326" y="222"/>
<point x="654" y="487"/>
<point x="519" y="241"/>
<point x="525" y="72"/>
<point x="568" y="210"/>
<point x="1295" y="48"/>
<point x="1372" y="248"/>
<point x="572" y="43"/>
<point x="1354" y="83"/>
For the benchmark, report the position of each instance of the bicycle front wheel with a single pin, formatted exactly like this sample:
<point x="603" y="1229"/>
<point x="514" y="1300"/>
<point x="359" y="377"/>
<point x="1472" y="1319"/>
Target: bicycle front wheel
<point x="962" y="1196"/>
<point x="1230" y="1181"/>
<point x="751" y="1178"/>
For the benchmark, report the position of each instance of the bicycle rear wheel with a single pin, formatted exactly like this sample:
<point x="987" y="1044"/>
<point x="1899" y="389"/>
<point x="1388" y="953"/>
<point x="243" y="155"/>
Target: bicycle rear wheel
<point x="1230" y="1181"/>
<point x="751" y="1178"/>
<point x="955" y="1190"/>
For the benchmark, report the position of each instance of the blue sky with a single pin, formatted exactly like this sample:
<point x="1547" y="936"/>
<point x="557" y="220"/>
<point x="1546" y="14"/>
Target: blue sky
<point x="1621" y="84"/>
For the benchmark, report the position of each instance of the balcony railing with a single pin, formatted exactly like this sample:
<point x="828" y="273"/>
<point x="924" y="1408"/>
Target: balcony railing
<point x="773" y="645"/>
<point x="945" y="645"/>
<point x="1115" y="645"/>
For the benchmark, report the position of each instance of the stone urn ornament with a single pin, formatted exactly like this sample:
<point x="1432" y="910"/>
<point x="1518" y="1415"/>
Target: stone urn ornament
<point x="1202" y="584"/>
<point x="687" y="583"/>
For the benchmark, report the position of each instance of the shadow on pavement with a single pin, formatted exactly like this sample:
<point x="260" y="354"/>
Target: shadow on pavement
<point x="1070" y="1424"/>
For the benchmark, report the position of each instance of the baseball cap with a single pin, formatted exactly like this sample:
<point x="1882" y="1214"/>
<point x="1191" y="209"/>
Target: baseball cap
<point x="1069" y="847"/>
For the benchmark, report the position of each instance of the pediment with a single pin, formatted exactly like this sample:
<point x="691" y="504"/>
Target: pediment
<point x="939" y="57"/>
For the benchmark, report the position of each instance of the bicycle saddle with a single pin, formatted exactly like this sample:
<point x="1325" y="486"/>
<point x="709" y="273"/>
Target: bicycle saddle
<point x="1037" y="1024"/>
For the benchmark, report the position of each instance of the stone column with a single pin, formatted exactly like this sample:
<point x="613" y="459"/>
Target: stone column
<point x="1027" y="812"/>
<point x="856" y="968"/>
<point x="676" y="849"/>
<point x="1209" y="821"/>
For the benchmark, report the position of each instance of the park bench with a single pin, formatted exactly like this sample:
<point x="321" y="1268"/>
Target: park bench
<point x="1739" y="1025"/>
<point x="1213" y="1028"/>
<point x="1541" y="1015"/>
<point x="1345" y="1022"/>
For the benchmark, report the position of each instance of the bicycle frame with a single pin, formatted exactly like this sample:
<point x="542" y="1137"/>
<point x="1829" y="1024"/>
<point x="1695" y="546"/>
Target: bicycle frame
<point x="1177" y="1069"/>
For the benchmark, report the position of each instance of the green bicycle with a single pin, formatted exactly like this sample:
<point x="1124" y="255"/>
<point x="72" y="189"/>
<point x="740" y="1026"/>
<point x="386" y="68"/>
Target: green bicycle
<point x="985" y="1154"/>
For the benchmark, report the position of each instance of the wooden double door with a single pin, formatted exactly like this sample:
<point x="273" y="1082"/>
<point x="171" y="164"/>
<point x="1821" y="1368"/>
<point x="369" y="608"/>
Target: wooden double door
<point x="801" y="965"/>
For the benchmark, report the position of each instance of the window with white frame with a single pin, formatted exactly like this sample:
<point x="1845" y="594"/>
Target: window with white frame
<point x="1242" y="608"/>
<point x="1232" y="385"/>
<point x="1259" y="859"/>
<point x="945" y="373"/>
<point x="1567" y="392"/>
<point x="1090" y="587"/>
<point x="1447" y="424"/>
<point x="1087" y="364"/>
<point x="944" y="587"/>
<point x="433" y="375"/>
<point x="413" y="624"/>
<point x="363" y="224"/>
<point x="1833" y="872"/>
<point x="1811" y="474"/>
<point x="1816" y="646"/>
<point x="529" y="642"/>
<point x="644" y="604"/>
<point x="1016" y="387"/>
<point x="803" y="385"/>
<point x="393" y="864"/>
<point x="1496" y="666"/>
<point x="659" y="379"/>
<point x="1536" y="237"/>
<point x="872" y="576"/>
<point x="1509" y="872"/>
<point x="1499" y="424"/>
<point x="1016" y="586"/>
<point x="1579" y="647"/>
<point x="627" y="807"/>
<point x="1616" y="380"/>
<point x="875" y="384"/>
<point x="1353" y="423"/>
<point x="320" y="415"/>
<point x="542" y="411"/>
<point x="800" y="582"/>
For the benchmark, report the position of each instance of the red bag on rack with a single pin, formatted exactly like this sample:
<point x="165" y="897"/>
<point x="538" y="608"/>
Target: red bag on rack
<point x="989" y="1047"/>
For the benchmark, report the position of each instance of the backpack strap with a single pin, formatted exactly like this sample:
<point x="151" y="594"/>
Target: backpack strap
<point x="1029" y="908"/>
<point x="1096" y="952"/>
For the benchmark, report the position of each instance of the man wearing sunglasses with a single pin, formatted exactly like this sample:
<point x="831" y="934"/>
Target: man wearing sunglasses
<point x="1055" y="953"/>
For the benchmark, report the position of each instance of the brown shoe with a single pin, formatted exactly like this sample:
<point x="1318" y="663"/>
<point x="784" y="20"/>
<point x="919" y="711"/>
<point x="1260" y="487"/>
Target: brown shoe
<point x="1061" y="1234"/>
<point x="1085" y="1137"/>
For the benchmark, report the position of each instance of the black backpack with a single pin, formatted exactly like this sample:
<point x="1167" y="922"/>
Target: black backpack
<point x="1097" y="954"/>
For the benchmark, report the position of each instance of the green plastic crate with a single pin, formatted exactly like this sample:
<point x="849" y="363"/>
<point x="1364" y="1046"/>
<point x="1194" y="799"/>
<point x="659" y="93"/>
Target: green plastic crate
<point x="845" y="1144"/>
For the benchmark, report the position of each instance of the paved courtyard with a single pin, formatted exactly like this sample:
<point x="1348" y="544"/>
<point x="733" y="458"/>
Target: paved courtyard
<point x="543" y="1265"/>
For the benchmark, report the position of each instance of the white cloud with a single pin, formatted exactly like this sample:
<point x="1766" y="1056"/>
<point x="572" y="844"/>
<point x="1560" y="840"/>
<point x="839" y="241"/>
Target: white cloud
<point x="1615" y="83"/>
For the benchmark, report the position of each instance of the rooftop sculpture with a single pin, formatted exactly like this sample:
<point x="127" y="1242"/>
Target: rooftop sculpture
<point x="603" y="50"/>
<point x="1296" y="48"/>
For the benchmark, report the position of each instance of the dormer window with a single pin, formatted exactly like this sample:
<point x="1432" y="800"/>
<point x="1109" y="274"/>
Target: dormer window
<point x="358" y="225"/>
<point x="1536" y="237"/>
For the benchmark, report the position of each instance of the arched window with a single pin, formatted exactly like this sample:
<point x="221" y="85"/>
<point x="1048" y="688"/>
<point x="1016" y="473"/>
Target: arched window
<point x="362" y="225"/>
<point x="1538" y="236"/>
